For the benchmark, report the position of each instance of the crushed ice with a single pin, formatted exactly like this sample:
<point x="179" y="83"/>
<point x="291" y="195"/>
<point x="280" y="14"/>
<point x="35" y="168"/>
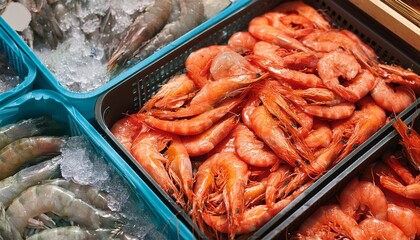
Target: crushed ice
<point x="9" y="79"/>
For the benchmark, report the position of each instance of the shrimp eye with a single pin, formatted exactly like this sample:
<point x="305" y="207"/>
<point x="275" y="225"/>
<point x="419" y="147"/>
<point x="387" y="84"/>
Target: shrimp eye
<point x="286" y="182"/>
<point x="307" y="161"/>
<point x="355" y="145"/>
<point x="258" y="75"/>
<point x="170" y="191"/>
<point x="297" y="164"/>
<point x="237" y="211"/>
<point x="409" y="131"/>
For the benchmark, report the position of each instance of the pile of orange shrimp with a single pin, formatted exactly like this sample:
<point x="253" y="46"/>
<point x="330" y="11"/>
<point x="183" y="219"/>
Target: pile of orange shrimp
<point x="252" y="123"/>
<point x="382" y="203"/>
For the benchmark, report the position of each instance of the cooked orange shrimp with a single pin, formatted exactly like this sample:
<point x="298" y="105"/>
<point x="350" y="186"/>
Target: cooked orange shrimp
<point x="180" y="169"/>
<point x="330" y="217"/>
<point x="410" y="141"/>
<point x="270" y="51"/>
<point x="381" y="229"/>
<point x="361" y="195"/>
<point x="320" y="135"/>
<point x="146" y="150"/>
<point x="172" y="94"/>
<point x="198" y="63"/>
<point x="302" y="61"/>
<point x="261" y="29"/>
<point x="211" y="94"/>
<point x="293" y="25"/>
<point x="371" y="118"/>
<point x="370" y="53"/>
<point x="405" y="219"/>
<point x="248" y="107"/>
<point x="25" y="150"/>
<point x="254" y="217"/>
<point x="252" y="150"/>
<point x="338" y="64"/>
<point x="192" y="126"/>
<point x="291" y="77"/>
<point x="410" y="77"/>
<point x="403" y="172"/>
<point x="226" y="145"/>
<point x="266" y="128"/>
<point x="318" y="96"/>
<point x="394" y="100"/>
<point x="226" y="171"/>
<point x="334" y="112"/>
<point x="126" y="129"/>
<point x="306" y="11"/>
<point x="410" y="191"/>
<point x="274" y="181"/>
<point x="242" y="42"/>
<point x="334" y="39"/>
<point x="229" y="64"/>
<point x="203" y="143"/>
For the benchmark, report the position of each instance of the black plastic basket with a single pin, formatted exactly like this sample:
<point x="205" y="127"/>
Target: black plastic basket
<point x="128" y="96"/>
<point x="387" y="143"/>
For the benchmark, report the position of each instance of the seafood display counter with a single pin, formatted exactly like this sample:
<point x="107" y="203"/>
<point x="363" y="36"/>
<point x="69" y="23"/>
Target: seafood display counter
<point x="17" y="71"/>
<point x="145" y="102"/>
<point x="94" y="70"/>
<point x="61" y="175"/>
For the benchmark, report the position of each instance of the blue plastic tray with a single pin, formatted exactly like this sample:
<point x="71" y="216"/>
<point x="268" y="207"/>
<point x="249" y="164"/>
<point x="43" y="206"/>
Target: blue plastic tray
<point x="23" y="66"/>
<point x="85" y="102"/>
<point x="48" y="103"/>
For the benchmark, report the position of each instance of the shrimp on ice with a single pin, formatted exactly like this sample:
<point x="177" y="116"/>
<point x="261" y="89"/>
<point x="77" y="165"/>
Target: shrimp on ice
<point x="392" y="99"/>
<point x="25" y="150"/>
<point x="144" y="27"/>
<point x="226" y="171"/>
<point x="330" y="218"/>
<point x="364" y="196"/>
<point x="242" y="42"/>
<point x="203" y="143"/>
<point x="74" y="232"/>
<point x="7" y="230"/>
<point x="198" y="63"/>
<point x="126" y="129"/>
<point x="339" y="64"/>
<point x="49" y="198"/>
<point x="173" y="94"/>
<point x="192" y="126"/>
<point x="381" y="229"/>
<point x="410" y="140"/>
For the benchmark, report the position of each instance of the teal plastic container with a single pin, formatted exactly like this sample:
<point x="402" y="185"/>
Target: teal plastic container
<point x="85" y="102"/>
<point x="20" y="63"/>
<point x="48" y="103"/>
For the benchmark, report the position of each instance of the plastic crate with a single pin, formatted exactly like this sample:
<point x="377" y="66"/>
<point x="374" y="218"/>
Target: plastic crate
<point x="389" y="140"/>
<point x="138" y="88"/>
<point x="22" y="65"/>
<point x="85" y="102"/>
<point x="48" y="103"/>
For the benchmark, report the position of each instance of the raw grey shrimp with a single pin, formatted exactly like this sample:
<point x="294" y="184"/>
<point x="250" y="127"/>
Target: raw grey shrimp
<point x="203" y="143"/>
<point x="192" y="126"/>
<point x="226" y="171"/>
<point x="141" y="30"/>
<point x="74" y="232"/>
<point x="261" y="29"/>
<point x="146" y="150"/>
<point x="405" y="219"/>
<point x="361" y="195"/>
<point x="252" y="150"/>
<point x="306" y="11"/>
<point x="86" y="193"/>
<point x="25" y="150"/>
<point x="330" y="217"/>
<point x="191" y="15"/>
<point x="12" y="186"/>
<point x="7" y="231"/>
<point x="173" y="94"/>
<point x="50" y="198"/>
<point x="28" y="128"/>
<point x="381" y="229"/>
<point x="338" y="64"/>
<point x="392" y="99"/>
<point x="242" y="42"/>
<point x="3" y="5"/>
